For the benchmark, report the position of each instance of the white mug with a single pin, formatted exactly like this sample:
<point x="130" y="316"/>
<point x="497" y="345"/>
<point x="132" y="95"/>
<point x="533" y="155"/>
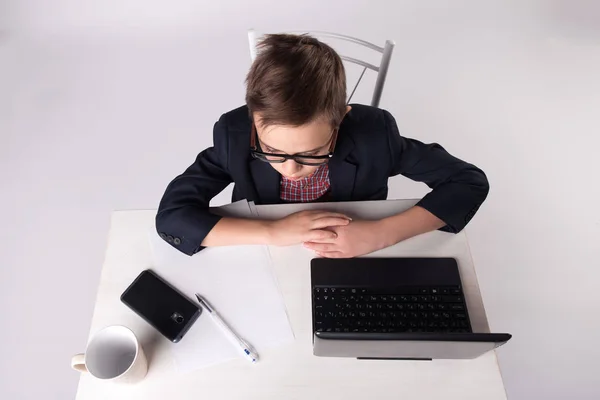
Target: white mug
<point x="115" y="354"/>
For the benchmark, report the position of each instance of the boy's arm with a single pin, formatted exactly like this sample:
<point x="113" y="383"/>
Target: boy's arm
<point x="459" y="189"/>
<point x="183" y="217"/>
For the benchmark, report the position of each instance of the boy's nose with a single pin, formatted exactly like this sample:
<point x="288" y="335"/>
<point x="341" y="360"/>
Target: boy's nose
<point x="290" y="167"/>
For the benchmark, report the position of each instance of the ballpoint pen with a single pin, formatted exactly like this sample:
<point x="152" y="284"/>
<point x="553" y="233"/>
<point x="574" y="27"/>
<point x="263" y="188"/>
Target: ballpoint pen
<point x="244" y="346"/>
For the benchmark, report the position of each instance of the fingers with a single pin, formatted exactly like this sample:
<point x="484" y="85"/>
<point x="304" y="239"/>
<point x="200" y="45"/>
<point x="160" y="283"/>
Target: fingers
<point x="320" y="247"/>
<point x="328" y="214"/>
<point x="329" y="221"/>
<point x="320" y="235"/>
<point x="316" y="214"/>
<point x="331" y="254"/>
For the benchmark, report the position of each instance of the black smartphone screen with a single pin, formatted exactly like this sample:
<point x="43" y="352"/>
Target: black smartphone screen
<point x="161" y="305"/>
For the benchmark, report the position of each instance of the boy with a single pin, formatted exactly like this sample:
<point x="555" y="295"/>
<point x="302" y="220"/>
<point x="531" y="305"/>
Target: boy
<point x="297" y="140"/>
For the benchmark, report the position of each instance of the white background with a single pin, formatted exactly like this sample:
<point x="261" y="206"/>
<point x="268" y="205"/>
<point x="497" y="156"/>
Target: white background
<point x="103" y="102"/>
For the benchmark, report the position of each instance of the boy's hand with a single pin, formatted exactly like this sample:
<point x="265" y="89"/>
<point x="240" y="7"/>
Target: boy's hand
<point x="306" y="226"/>
<point x="353" y="240"/>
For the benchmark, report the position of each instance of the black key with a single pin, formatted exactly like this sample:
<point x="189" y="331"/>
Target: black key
<point x="460" y="315"/>
<point x="442" y="306"/>
<point x="421" y="306"/>
<point x="411" y="306"/>
<point x="404" y="298"/>
<point x="435" y="291"/>
<point x="431" y="306"/>
<point x="325" y="290"/>
<point x="457" y="307"/>
<point x="424" y="291"/>
<point x="436" y="299"/>
<point x="435" y="315"/>
<point x="445" y="291"/>
<point x="394" y="298"/>
<point x="342" y="291"/>
<point x="455" y="291"/>
<point x="452" y="299"/>
<point x="414" y="299"/>
<point x="424" y="298"/>
<point x="446" y="315"/>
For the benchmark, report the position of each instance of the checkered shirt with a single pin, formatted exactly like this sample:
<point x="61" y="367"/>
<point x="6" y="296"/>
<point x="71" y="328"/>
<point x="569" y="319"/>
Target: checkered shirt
<point x="306" y="189"/>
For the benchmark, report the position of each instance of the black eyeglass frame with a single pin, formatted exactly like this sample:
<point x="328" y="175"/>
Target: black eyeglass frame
<point x="262" y="156"/>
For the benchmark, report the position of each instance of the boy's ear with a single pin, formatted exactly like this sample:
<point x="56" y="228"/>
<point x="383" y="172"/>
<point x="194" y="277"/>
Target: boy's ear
<point x="348" y="108"/>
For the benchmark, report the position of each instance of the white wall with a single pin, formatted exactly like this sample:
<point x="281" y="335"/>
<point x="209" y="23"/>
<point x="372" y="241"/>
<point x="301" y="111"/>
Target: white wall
<point x="103" y="102"/>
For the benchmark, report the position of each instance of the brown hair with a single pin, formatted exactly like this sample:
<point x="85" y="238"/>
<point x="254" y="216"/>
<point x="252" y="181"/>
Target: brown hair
<point x="294" y="80"/>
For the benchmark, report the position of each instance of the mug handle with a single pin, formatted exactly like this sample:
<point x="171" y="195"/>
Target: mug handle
<point x="78" y="362"/>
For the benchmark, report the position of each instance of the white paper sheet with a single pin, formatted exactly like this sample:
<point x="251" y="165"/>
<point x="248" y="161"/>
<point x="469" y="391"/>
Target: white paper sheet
<point x="238" y="281"/>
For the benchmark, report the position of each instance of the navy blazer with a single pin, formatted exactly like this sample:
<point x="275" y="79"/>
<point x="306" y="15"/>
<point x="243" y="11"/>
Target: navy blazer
<point x="369" y="150"/>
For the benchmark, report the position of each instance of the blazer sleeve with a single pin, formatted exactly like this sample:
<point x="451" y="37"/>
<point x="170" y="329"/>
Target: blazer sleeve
<point x="458" y="188"/>
<point x="183" y="218"/>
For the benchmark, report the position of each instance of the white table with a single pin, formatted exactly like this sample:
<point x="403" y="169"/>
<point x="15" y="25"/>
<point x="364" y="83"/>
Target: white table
<point x="291" y="371"/>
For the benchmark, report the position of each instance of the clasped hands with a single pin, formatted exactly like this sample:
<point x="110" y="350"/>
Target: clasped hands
<point x="329" y="234"/>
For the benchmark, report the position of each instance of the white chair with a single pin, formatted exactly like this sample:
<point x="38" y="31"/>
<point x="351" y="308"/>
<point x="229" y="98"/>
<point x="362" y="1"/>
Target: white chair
<point x="381" y="70"/>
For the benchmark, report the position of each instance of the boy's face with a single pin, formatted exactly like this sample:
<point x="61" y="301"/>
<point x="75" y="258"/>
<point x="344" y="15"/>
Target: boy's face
<point x="311" y="139"/>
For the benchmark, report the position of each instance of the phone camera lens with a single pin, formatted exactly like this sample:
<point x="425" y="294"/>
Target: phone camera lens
<point x="177" y="318"/>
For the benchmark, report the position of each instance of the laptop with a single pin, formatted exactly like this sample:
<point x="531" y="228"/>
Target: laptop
<point x="393" y="308"/>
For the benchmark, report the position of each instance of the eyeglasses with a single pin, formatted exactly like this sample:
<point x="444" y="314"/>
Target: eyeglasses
<point x="274" y="158"/>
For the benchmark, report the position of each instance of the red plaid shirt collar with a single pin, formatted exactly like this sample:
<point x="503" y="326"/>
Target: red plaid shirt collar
<point x="306" y="189"/>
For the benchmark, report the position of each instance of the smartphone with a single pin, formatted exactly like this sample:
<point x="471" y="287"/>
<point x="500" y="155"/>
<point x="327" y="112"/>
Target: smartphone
<point x="161" y="305"/>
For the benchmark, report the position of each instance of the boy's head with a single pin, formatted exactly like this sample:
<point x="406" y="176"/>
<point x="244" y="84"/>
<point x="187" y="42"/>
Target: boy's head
<point x="296" y="94"/>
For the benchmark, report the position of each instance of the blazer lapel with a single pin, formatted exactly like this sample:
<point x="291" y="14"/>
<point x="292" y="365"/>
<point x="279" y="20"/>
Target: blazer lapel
<point x="342" y="174"/>
<point x="267" y="182"/>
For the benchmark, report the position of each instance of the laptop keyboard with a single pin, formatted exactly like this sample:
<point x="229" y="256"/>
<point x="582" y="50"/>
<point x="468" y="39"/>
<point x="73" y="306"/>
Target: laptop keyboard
<point x="403" y="309"/>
